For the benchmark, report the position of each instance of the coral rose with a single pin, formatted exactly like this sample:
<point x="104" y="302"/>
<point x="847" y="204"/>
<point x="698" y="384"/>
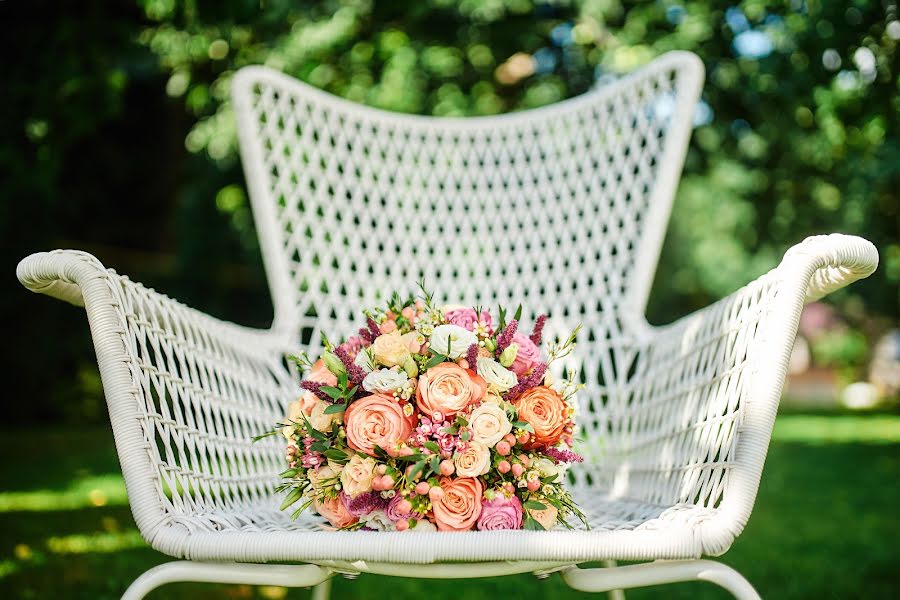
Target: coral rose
<point x="376" y="420"/>
<point x="527" y="356"/>
<point x="448" y="388"/>
<point x="547" y="413"/>
<point x="319" y="373"/>
<point x="460" y="506"/>
<point x="335" y="511"/>
<point x="500" y="513"/>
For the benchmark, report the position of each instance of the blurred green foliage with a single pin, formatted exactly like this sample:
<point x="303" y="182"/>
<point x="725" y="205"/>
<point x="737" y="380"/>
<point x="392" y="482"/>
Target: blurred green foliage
<point x="119" y="137"/>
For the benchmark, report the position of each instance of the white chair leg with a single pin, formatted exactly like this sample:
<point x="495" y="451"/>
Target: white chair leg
<point x="657" y="573"/>
<point x="613" y="594"/>
<point x="322" y="591"/>
<point x="237" y="573"/>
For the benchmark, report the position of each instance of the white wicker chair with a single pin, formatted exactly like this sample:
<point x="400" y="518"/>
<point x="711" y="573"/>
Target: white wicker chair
<point x="562" y="208"/>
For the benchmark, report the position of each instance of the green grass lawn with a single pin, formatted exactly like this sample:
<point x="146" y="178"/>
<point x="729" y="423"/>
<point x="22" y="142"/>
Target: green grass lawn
<point x="825" y="524"/>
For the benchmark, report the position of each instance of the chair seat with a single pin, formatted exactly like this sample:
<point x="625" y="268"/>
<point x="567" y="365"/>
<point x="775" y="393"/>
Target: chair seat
<point x="620" y="529"/>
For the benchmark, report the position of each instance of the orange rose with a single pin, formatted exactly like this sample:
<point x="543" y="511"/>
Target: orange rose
<point x="547" y="412"/>
<point x="319" y="373"/>
<point x="448" y="388"/>
<point x="460" y="506"/>
<point x="335" y="511"/>
<point x="376" y="420"/>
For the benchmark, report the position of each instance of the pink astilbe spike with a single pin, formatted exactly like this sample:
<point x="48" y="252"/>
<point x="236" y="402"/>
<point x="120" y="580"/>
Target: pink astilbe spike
<point x="560" y="455"/>
<point x="538" y="332"/>
<point x="506" y="337"/>
<point x="315" y="388"/>
<point x="472" y="358"/>
<point x="354" y="371"/>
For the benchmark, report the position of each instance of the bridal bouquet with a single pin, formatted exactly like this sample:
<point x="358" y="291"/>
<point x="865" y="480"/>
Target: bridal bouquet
<point x="433" y="418"/>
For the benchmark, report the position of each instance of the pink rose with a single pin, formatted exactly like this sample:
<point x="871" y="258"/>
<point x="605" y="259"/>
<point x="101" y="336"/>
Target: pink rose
<point x="460" y="505"/>
<point x="335" y="511"/>
<point x="319" y="373"/>
<point x="394" y="509"/>
<point x="467" y="318"/>
<point x="527" y="356"/>
<point x="500" y="513"/>
<point x="376" y="420"/>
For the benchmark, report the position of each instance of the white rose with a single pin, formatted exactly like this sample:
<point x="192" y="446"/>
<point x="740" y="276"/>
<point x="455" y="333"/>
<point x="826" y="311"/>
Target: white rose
<point x="474" y="462"/>
<point x="423" y="526"/>
<point x="548" y="468"/>
<point x="378" y="520"/>
<point x="364" y="360"/>
<point x="357" y="475"/>
<point x="385" y="381"/>
<point x="495" y="374"/>
<point x="489" y="423"/>
<point x="456" y="338"/>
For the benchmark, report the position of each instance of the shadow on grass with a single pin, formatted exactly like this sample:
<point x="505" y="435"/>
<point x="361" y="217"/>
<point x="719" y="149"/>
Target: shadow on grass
<point x="825" y="526"/>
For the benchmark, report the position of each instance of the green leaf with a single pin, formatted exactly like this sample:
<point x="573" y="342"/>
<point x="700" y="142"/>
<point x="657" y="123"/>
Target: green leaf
<point x="292" y="497"/>
<point x="534" y="505"/>
<point x="518" y="314"/>
<point x="434" y="361"/>
<point x="533" y="525"/>
<point x="435" y="449"/>
<point x="318" y="446"/>
<point x="435" y="464"/>
<point x="523" y="425"/>
<point x="336" y="455"/>
<point x="334" y="408"/>
<point x="333" y="392"/>
<point x="416" y="470"/>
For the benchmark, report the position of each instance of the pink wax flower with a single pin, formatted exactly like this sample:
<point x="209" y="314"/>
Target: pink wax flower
<point x="467" y="318"/>
<point x="500" y="513"/>
<point x="527" y="356"/>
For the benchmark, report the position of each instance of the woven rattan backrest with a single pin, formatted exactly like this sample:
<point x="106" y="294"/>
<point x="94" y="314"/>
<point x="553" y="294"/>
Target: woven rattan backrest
<point x="562" y="208"/>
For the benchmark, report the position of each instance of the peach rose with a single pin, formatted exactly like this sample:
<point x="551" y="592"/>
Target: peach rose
<point x="475" y="461"/>
<point x="546" y="517"/>
<point x="448" y="388"/>
<point x="547" y="412"/>
<point x="489" y="423"/>
<point x="392" y="349"/>
<point x="335" y="511"/>
<point x="319" y="373"/>
<point x="376" y="420"/>
<point x="460" y="506"/>
<point x="313" y="408"/>
<point x="357" y="475"/>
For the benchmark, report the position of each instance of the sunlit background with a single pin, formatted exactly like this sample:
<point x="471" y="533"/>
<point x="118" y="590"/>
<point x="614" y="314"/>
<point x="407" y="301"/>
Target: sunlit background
<point x="118" y="139"/>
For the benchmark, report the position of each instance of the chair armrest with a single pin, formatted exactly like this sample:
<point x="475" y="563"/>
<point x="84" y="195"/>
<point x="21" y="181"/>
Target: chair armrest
<point x="712" y="381"/>
<point x="186" y="393"/>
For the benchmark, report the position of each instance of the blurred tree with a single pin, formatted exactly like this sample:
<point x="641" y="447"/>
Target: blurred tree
<point x="118" y="134"/>
<point x="798" y="133"/>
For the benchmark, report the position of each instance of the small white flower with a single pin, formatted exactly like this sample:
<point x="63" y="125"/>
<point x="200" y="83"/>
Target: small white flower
<point x="496" y="375"/>
<point x="452" y="340"/>
<point x="385" y="381"/>
<point x="364" y="360"/>
<point x="377" y="520"/>
<point x="423" y="526"/>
